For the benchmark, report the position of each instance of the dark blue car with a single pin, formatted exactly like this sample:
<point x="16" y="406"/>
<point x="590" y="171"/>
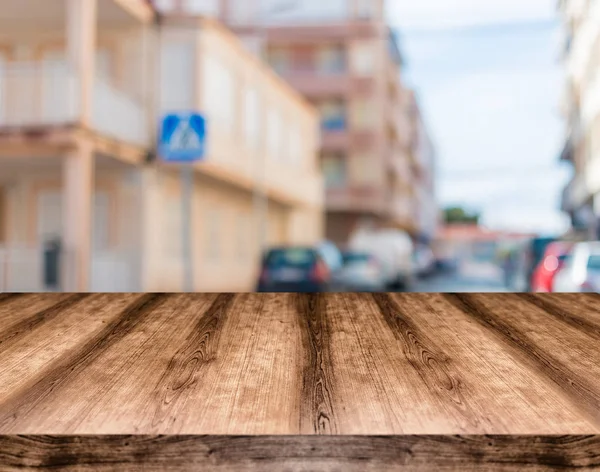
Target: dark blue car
<point x="294" y="270"/>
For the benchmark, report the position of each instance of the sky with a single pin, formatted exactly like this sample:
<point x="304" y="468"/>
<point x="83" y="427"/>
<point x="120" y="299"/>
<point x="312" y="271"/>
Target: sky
<point x="489" y="79"/>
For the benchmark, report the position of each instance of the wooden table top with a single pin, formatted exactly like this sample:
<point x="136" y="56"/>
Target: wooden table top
<point x="273" y="364"/>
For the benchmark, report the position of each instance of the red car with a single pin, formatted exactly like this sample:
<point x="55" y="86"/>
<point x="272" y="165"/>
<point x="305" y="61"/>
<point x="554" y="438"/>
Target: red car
<point x="551" y="263"/>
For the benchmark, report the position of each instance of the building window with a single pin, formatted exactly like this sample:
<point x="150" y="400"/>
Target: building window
<point x="252" y="118"/>
<point x="219" y="93"/>
<point x="363" y="114"/>
<point x="334" y="170"/>
<point x="333" y="115"/>
<point x="280" y="60"/>
<point x="363" y="58"/>
<point x="274" y="126"/>
<point x="365" y="170"/>
<point x="295" y="144"/>
<point x="330" y="60"/>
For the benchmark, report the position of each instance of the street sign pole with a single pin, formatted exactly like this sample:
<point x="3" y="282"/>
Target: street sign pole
<point x="187" y="196"/>
<point x="183" y="141"/>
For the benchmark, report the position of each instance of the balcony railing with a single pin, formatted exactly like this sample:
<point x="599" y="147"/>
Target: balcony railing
<point x="119" y="115"/>
<point x="22" y="270"/>
<point x="33" y="94"/>
<point x="355" y="198"/>
<point x="47" y="93"/>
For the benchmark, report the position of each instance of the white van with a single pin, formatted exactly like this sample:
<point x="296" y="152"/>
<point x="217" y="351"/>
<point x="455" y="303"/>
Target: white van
<point x="394" y="250"/>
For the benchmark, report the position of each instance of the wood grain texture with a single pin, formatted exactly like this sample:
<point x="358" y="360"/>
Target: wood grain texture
<point x="295" y="364"/>
<point x="300" y="453"/>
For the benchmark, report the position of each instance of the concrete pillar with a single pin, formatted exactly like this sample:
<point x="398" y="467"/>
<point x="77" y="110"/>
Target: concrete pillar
<point x="81" y="51"/>
<point x="150" y="229"/>
<point x="78" y="193"/>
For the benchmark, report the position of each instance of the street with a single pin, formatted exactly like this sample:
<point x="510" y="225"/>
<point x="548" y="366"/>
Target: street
<point x="471" y="277"/>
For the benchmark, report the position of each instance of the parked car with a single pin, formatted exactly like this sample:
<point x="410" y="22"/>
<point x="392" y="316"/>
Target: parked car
<point x="515" y="265"/>
<point x="393" y="249"/>
<point x="581" y="270"/>
<point x="424" y="261"/>
<point x="362" y="272"/>
<point x="332" y="256"/>
<point x="533" y="254"/>
<point x="551" y="263"/>
<point x="294" y="269"/>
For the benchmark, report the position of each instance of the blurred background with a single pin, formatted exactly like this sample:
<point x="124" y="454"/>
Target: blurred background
<point x="347" y="145"/>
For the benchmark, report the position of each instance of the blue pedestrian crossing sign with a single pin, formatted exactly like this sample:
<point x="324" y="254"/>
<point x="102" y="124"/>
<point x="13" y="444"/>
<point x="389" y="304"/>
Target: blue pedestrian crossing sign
<point x="182" y="137"/>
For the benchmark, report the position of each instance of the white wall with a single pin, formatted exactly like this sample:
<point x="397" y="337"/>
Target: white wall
<point x="177" y="75"/>
<point x="218" y="94"/>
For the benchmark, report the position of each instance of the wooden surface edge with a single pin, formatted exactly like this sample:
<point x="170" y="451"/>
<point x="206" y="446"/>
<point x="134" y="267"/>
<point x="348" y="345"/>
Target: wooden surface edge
<point x="291" y="453"/>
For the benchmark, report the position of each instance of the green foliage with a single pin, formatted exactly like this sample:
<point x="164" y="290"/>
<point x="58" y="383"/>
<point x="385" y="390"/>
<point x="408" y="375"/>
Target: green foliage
<point x="460" y="215"/>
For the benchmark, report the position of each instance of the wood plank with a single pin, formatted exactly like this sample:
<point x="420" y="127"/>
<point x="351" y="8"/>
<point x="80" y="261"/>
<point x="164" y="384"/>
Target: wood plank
<point x="292" y="364"/>
<point x="15" y="308"/>
<point x="44" y="333"/>
<point x="53" y="357"/>
<point x="252" y="383"/>
<point x="474" y="376"/>
<point x="121" y="378"/>
<point x="300" y="453"/>
<point x="566" y="355"/>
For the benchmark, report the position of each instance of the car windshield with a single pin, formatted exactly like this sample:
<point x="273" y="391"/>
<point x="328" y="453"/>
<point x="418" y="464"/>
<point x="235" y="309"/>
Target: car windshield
<point x="539" y="246"/>
<point x="594" y="263"/>
<point x="330" y="255"/>
<point x="355" y="258"/>
<point x="301" y="258"/>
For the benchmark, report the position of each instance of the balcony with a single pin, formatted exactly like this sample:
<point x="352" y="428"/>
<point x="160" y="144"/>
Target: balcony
<point x="402" y="210"/>
<point x="315" y="85"/>
<point x="356" y="199"/>
<point x="47" y="94"/>
<point x="35" y="94"/>
<point x="119" y="115"/>
<point x="335" y="137"/>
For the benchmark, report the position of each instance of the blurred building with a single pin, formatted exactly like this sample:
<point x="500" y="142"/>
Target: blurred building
<point x="581" y="109"/>
<point x="342" y="56"/>
<point x="427" y="214"/>
<point x="470" y="242"/>
<point x="82" y="86"/>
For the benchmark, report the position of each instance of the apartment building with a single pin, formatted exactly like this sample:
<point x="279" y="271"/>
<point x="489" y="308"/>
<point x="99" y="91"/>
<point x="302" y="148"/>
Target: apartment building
<point x="342" y="56"/>
<point x="581" y="110"/>
<point x="82" y="86"/>
<point x="427" y="215"/>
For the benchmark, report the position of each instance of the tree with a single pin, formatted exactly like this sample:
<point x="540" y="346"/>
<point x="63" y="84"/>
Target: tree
<point x="455" y="215"/>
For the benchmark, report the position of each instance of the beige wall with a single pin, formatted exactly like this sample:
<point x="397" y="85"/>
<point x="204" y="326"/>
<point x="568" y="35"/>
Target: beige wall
<point x="224" y="244"/>
<point x="143" y="216"/>
<point x="21" y="205"/>
<point x="378" y="133"/>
